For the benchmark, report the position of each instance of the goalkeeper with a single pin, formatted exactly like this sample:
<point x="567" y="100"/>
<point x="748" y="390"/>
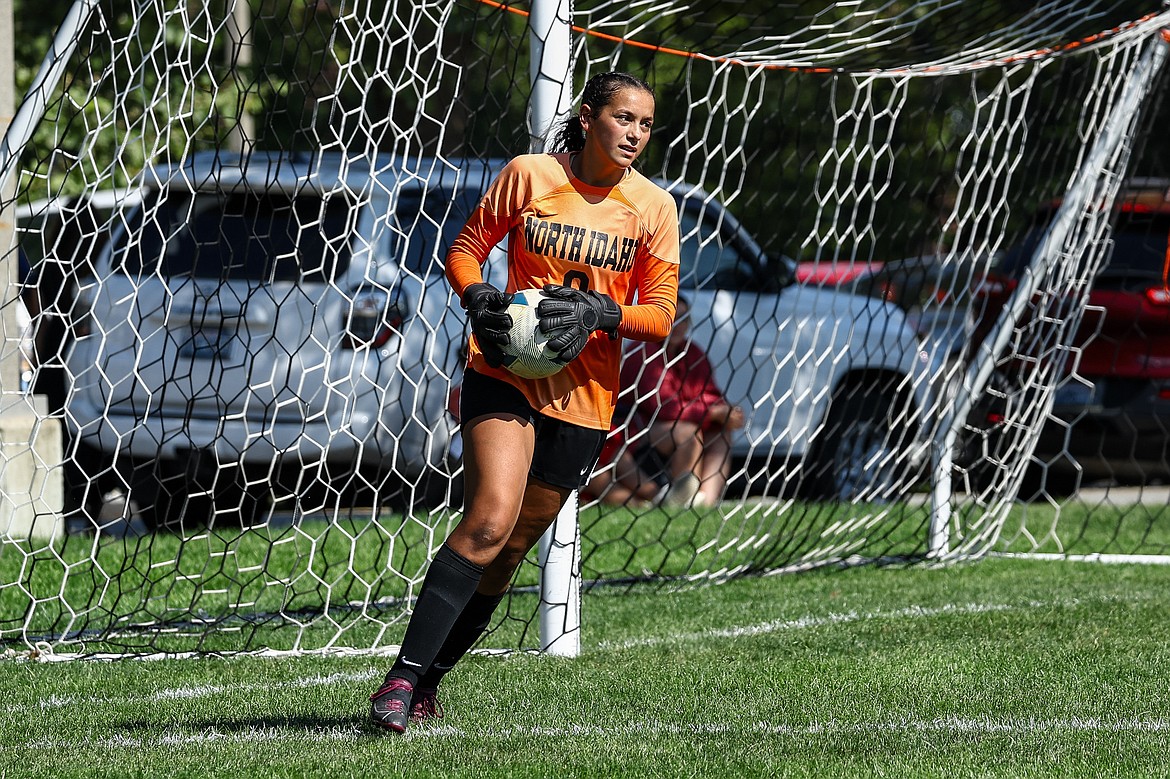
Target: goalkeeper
<point x="598" y="236"/>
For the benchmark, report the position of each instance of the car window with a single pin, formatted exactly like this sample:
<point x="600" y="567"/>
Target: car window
<point x="417" y="240"/>
<point x="249" y="236"/>
<point x="1139" y="246"/>
<point x="914" y="285"/>
<point x="709" y="257"/>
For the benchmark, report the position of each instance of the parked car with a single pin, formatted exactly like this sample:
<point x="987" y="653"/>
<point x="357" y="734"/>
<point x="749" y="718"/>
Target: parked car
<point x="938" y="292"/>
<point x="1110" y="418"/>
<point x="284" y="319"/>
<point x="940" y="295"/>
<point x="261" y="327"/>
<point x="60" y="236"/>
<point x="833" y="384"/>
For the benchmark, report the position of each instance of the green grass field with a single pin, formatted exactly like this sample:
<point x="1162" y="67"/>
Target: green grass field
<point x="321" y="583"/>
<point x="1002" y="668"/>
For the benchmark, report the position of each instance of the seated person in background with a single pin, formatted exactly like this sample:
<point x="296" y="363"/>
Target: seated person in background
<point x="688" y="418"/>
<point x="619" y="479"/>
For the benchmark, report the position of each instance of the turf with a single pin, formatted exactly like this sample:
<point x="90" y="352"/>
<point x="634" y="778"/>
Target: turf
<point x="317" y="583"/>
<point x="999" y="668"/>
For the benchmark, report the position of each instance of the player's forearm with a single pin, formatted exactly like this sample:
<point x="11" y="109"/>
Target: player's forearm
<point x="462" y="271"/>
<point x="651" y="319"/>
<point x="470" y="249"/>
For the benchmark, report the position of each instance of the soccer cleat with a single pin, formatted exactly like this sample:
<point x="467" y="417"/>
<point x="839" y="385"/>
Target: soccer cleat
<point x="425" y="705"/>
<point x="390" y="705"/>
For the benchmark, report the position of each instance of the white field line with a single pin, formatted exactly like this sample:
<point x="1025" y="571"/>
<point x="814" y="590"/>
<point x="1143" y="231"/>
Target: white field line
<point x="764" y="628"/>
<point x="186" y="693"/>
<point x="942" y="725"/>
<point x="356" y="677"/>
<point x="811" y="621"/>
<point x="801" y="623"/>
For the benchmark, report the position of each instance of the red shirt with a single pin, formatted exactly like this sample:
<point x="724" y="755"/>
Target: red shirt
<point x="671" y="387"/>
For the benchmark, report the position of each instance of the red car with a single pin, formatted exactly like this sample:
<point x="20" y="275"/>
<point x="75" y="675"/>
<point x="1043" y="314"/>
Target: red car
<point x="833" y="272"/>
<point x="1112" y="417"/>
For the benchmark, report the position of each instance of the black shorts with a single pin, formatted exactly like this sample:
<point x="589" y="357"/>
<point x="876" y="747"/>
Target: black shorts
<point x="565" y="454"/>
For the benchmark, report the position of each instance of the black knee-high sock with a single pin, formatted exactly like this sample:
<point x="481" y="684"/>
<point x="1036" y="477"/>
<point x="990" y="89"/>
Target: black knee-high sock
<point x="449" y="584"/>
<point x="464" y="633"/>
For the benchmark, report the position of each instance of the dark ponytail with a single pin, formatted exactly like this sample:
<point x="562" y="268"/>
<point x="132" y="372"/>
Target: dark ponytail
<point x="598" y="93"/>
<point x="570" y="137"/>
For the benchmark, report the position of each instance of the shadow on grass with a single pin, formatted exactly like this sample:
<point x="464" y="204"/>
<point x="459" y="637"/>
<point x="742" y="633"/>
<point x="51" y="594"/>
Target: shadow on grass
<point x="209" y="728"/>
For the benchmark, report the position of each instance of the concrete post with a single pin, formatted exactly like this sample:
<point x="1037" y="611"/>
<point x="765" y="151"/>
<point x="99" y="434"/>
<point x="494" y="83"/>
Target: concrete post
<point x="31" y="488"/>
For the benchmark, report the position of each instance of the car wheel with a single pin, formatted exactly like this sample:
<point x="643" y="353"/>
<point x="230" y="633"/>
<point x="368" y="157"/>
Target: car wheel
<point x="861" y="453"/>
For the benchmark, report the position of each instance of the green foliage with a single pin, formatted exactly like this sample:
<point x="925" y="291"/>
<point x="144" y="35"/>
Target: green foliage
<point x="112" y="82"/>
<point x="777" y="144"/>
<point x="824" y="172"/>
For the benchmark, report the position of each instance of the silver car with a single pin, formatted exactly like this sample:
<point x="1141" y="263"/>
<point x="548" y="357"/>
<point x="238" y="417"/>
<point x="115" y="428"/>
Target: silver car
<point x="278" y="328"/>
<point x="835" y="386"/>
<point x="265" y="325"/>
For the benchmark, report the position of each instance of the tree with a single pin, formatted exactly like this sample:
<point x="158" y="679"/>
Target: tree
<point x="424" y="78"/>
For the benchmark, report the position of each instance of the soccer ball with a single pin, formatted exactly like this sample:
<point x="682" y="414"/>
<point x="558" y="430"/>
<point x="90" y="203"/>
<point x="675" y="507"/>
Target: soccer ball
<point x="528" y="354"/>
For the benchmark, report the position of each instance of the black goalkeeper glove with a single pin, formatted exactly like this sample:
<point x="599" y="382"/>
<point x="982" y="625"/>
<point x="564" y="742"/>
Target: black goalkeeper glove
<point x="568" y="316"/>
<point x="487" y="311"/>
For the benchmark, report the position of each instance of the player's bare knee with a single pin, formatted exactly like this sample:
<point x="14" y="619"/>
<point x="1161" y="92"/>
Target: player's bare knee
<point x="508" y="560"/>
<point x="481" y="538"/>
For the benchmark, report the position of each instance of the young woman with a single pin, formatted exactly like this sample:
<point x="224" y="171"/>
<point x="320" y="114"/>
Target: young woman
<point x="603" y="242"/>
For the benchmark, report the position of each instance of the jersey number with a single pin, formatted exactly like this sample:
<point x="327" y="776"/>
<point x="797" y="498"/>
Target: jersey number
<point x="576" y="278"/>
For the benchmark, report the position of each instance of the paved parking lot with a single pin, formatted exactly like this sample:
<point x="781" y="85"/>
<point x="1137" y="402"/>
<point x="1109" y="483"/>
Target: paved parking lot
<point x="1148" y="496"/>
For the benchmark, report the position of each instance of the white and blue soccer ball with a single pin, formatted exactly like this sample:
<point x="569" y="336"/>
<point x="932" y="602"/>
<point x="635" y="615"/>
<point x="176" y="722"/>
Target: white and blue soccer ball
<point x="528" y="354"/>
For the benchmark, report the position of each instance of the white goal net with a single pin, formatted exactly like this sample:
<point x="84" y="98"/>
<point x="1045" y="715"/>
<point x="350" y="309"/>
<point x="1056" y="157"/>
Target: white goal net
<point x="231" y="363"/>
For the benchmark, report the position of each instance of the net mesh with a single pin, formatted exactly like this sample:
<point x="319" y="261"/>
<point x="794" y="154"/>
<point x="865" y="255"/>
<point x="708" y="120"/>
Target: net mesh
<point x="240" y="363"/>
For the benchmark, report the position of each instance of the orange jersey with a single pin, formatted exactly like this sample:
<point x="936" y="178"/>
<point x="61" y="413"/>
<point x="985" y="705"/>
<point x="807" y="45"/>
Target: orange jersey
<point x="621" y="240"/>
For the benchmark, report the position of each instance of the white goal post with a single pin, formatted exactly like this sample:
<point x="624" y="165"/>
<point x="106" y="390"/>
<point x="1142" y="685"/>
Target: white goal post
<point x="1096" y="181"/>
<point x="559" y="549"/>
